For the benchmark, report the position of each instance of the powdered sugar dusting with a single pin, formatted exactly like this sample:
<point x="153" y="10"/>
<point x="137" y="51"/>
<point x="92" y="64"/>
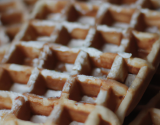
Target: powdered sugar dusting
<point x="80" y="60"/>
<point x="101" y="98"/>
<point x="15" y="67"/>
<point x="115" y="66"/>
<point x="76" y="43"/>
<point x="90" y="37"/>
<point x="130" y="78"/>
<point x="3" y="37"/>
<point x="44" y="23"/>
<point x="76" y="123"/>
<point x="92" y="52"/>
<point x="4" y="112"/>
<point x="102" y="10"/>
<point x="55" y="17"/>
<point x="105" y="28"/>
<point x="145" y="10"/>
<point x="52" y="38"/>
<point x="87" y="99"/>
<point x="98" y="72"/>
<point x="12" y="95"/>
<point x="134" y="19"/>
<point x="20" y="88"/>
<point x="54" y="74"/>
<point x="121" y="25"/>
<point x="52" y="93"/>
<point x="86" y="20"/>
<point x="125" y="55"/>
<point x="71" y="26"/>
<point x="7" y="55"/>
<point x="38" y="119"/>
<point x="34" y="44"/>
<point x="15" y="102"/>
<point x="110" y="48"/>
<point x="84" y="78"/>
<point x="153" y="29"/>
<point x="64" y="49"/>
<point x="33" y="78"/>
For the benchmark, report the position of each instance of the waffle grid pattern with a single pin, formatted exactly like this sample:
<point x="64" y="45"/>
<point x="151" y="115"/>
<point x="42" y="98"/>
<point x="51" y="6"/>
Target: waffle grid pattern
<point x="75" y="62"/>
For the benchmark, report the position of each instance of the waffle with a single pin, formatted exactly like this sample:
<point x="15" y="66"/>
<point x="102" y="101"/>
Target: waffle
<point x="13" y="14"/>
<point x="99" y="13"/>
<point x="79" y="69"/>
<point x="77" y="62"/>
<point x="149" y="114"/>
<point x="104" y="38"/>
<point x="151" y="91"/>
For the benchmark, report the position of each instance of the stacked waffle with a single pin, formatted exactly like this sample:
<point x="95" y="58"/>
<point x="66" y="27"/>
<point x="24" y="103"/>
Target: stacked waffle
<point x="150" y="113"/>
<point x="77" y="62"/>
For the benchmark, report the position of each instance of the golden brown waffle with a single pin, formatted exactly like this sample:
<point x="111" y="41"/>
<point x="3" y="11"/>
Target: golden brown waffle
<point x="98" y="12"/>
<point x="151" y="91"/>
<point x="13" y="13"/>
<point x="100" y="84"/>
<point x="141" y="44"/>
<point x="79" y="62"/>
<point x="150" y="113"/>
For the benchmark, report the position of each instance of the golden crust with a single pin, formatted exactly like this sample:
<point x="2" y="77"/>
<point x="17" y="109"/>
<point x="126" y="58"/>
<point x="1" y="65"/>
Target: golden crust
<point x="77" y="62"/>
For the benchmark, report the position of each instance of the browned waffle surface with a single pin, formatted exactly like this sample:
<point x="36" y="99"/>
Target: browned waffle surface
<point x="85" y="76"/>
<point x="13" y="13"/>
<point x="140" y="44"/>
<point x="150" y="113"/>
<point x="74" y="62"/>
<point x="97" y="12"/>
<point x="151" y="91"/>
